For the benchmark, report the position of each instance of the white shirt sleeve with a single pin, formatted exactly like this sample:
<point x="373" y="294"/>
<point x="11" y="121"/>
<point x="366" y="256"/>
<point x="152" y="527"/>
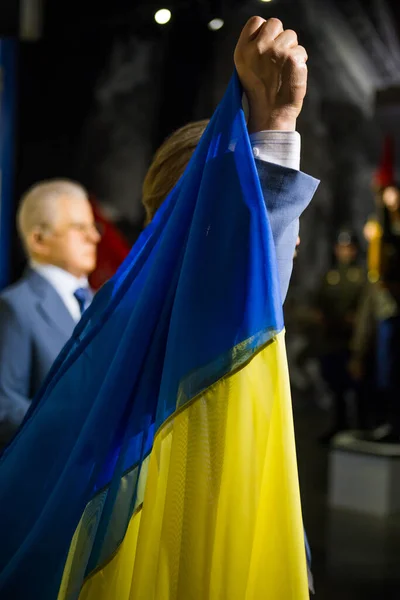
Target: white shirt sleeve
<point x="279" y="147"/>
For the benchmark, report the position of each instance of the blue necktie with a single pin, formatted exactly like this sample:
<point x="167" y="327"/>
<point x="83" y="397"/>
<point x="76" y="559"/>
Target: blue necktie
<point x="83" y="296"/>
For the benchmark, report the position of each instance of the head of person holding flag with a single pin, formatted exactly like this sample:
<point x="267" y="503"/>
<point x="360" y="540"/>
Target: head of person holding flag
<point x="265" y="54"/>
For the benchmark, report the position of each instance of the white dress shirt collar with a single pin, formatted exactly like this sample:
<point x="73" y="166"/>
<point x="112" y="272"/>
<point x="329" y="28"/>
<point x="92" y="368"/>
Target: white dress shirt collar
<point x="65" y="285"/>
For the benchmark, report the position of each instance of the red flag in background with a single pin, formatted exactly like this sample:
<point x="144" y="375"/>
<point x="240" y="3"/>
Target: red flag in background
<point x="111" y="251"/>
<point x="384" y="176"/>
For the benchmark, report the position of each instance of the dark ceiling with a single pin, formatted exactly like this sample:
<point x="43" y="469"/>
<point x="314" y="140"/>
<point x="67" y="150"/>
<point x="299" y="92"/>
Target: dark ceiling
<point x="61" y="16"/>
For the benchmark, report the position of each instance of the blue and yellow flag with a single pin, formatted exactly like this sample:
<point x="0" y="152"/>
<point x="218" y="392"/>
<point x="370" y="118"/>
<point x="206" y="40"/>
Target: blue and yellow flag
<point x="158" y="461"/>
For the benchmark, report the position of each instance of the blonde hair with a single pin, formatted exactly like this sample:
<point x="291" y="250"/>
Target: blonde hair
<point x="168" y="165"/>
<point x="37" y="205"/>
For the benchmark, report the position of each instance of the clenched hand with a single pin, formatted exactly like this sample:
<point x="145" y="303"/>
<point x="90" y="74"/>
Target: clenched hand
<point x="272" y="69"/>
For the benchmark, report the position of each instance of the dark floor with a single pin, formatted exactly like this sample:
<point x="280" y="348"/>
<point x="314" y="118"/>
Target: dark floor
<point x="354" y="557"/>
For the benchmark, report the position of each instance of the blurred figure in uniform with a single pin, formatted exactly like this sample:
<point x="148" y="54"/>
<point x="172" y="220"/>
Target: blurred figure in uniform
<point x="378" y="322"/>
<point x="336" y="306"/>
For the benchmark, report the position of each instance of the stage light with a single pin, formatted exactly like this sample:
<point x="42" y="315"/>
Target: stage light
<point x="215" y="24"/>
<point x="162" y="16"/>
<point x="265" y="0"/>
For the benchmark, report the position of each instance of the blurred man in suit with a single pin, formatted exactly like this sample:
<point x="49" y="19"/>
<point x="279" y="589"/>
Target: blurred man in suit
<point x="39" y="312"/>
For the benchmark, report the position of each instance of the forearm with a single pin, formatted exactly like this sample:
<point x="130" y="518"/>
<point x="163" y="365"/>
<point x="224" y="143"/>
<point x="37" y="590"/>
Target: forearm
<point x="287" y="192"/>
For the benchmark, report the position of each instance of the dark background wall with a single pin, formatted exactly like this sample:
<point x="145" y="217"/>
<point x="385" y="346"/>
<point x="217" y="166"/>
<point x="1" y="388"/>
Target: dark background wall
<point x="103" y="87"/>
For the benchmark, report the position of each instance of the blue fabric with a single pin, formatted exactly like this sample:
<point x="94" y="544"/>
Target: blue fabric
<point x="201" y="279"/>
<point x="34" y="326"/>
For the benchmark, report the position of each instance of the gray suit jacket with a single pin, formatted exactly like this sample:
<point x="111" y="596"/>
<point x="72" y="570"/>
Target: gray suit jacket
<point x="34" y="326"/>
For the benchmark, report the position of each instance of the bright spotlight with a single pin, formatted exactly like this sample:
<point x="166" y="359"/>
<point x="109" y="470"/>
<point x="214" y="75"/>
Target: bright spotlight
<point x="162" y="16"/>
<point x="215" y="24"/>
<point x="265" y="0"/>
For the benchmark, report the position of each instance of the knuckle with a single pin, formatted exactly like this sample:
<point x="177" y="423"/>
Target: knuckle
<point x="255" y="21"/>
<point x="295" y="61"/>
<point x="297" y="56"/>
<point x="252" y="27"/>
<point x="292" y="33"/>
<point x="303" y="51"/>
<point x="276" y="22"/>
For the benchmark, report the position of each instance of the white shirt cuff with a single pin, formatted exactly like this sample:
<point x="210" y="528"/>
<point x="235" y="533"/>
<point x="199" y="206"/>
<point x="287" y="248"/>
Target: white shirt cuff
<point x="279" y="147"/>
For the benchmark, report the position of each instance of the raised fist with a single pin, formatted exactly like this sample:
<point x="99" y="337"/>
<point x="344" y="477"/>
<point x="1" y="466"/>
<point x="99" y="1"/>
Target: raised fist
<point x="272" y="69"/>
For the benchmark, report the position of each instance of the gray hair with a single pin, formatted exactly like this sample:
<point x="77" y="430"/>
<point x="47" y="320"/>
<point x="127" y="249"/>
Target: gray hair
<point x="37" y="206"/>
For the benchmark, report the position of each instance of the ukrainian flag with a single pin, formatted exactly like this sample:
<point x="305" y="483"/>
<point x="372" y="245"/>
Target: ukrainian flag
<point x="158" y="462"/>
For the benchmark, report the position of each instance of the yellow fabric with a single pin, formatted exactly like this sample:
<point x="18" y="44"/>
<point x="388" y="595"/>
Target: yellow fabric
<point x="114" y="580"/>
<point x="81" y="541"/>
<point x="63" y="591"/>
<point x="221" y="517"/>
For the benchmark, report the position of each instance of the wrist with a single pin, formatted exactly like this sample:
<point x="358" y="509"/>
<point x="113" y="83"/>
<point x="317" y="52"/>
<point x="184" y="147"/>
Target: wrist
<point x="255" y="125"/>
<point x="262" y="119"/>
